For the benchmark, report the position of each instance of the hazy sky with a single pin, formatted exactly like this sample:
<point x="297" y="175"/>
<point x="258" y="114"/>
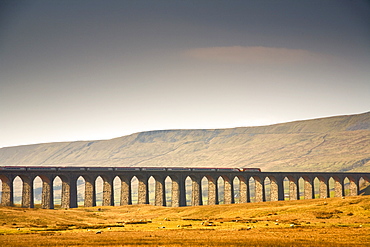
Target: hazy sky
<point x="85" y="70"/>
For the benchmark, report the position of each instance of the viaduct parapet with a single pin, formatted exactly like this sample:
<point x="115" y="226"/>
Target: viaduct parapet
<point x="251" y="186"/>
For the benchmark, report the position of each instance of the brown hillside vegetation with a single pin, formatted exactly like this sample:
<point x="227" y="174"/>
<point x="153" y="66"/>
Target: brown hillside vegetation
<point x="340" y="143"/>
<point x="317" y="222"/>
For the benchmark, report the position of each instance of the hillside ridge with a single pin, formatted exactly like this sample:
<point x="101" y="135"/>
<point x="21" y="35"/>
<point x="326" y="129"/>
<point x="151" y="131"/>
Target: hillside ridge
<point x="338" y="143"/>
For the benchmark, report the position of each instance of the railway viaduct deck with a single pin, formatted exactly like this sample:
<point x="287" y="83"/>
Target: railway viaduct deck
<point x="281" y="185"/>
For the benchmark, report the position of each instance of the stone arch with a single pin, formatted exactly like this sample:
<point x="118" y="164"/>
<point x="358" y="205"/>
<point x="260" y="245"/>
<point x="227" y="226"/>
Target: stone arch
<point x="157" y="190"/>
<point x="331" y="187"/>
<point x="300" y="188"/>
<point x="346" y="184"/>
<point x="225" y="190"/>
<point x="366" y="179"/>
<point x="307" y="186"/>
<point x="65" y="191"/>
<point x="276" y="191"/>
<point x="98" y="183"/>
<point x="26" y="188"/>
<point x="352" y="186"/>
<point x="364" y="185"/>
<point x="252" y="189"/>
<point x="6" y="191"/>
<point x="188" y="190"/>
<point x="256" y="189"/>
<point x="139" y="189"/>
<point x="336" y="187"/>
<point x="47" y="201"/>
<point x="42" y="192"/>
<point x="37" y="191"/>
<point x="205" y="189"/>
<point x="244" y="195"/>
<point x="236" y="189"/>
<point x="323" y="188"/>
<point x="192" y="190"/>
<point x="18" y="191"/>
<point x="220" y="184"/>
<point x="267" y="188"/>
<point x="88" y="190"/>
<point x="292" y="187"/>
<point x="168" y="191"/>
<point x="116" y="190"/>
<point x="69" y="192"/>
<point x="316" y="187"/>
<point x="134" y="189"/>
<point x="104" y="190"/>
<point x="57" y="191"/>
<point x="286" y="188"/>
<point x="151" y="190"/>
<point x="81" y="191"/>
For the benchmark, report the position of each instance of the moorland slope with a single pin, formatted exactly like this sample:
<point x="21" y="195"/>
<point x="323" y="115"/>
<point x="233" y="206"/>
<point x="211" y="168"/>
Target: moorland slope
<point x="340" y="143"/>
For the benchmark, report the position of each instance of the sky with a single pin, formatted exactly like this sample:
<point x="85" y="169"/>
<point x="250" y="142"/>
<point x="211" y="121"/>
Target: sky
<point x="92" y="69"/>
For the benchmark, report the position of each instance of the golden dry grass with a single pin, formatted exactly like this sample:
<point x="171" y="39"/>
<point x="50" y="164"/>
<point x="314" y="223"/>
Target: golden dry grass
<point x="318" y="222"/>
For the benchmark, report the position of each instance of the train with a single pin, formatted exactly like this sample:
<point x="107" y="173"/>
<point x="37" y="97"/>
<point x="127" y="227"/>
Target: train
<point x="175" y="169"/>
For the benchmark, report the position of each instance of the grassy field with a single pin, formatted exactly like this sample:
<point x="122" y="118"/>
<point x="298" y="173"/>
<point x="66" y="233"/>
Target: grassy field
<point x="318" y="222"/>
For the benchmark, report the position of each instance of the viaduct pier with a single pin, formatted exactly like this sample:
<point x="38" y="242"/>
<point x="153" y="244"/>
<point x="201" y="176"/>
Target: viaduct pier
<point x="251" y="185"/>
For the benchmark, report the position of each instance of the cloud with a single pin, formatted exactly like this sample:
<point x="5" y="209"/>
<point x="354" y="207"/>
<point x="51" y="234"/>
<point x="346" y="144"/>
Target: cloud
<point x="254" y="55"/>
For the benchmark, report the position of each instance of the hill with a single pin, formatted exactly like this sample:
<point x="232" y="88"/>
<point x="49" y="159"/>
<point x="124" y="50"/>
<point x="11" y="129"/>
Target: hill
<point x="340" y="143"/>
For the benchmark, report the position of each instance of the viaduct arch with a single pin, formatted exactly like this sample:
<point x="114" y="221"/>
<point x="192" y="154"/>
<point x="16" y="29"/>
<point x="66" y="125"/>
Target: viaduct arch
<point x="251" y="186"/>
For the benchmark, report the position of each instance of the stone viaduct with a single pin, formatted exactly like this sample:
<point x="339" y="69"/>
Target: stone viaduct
<point x="282" y="185"/>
